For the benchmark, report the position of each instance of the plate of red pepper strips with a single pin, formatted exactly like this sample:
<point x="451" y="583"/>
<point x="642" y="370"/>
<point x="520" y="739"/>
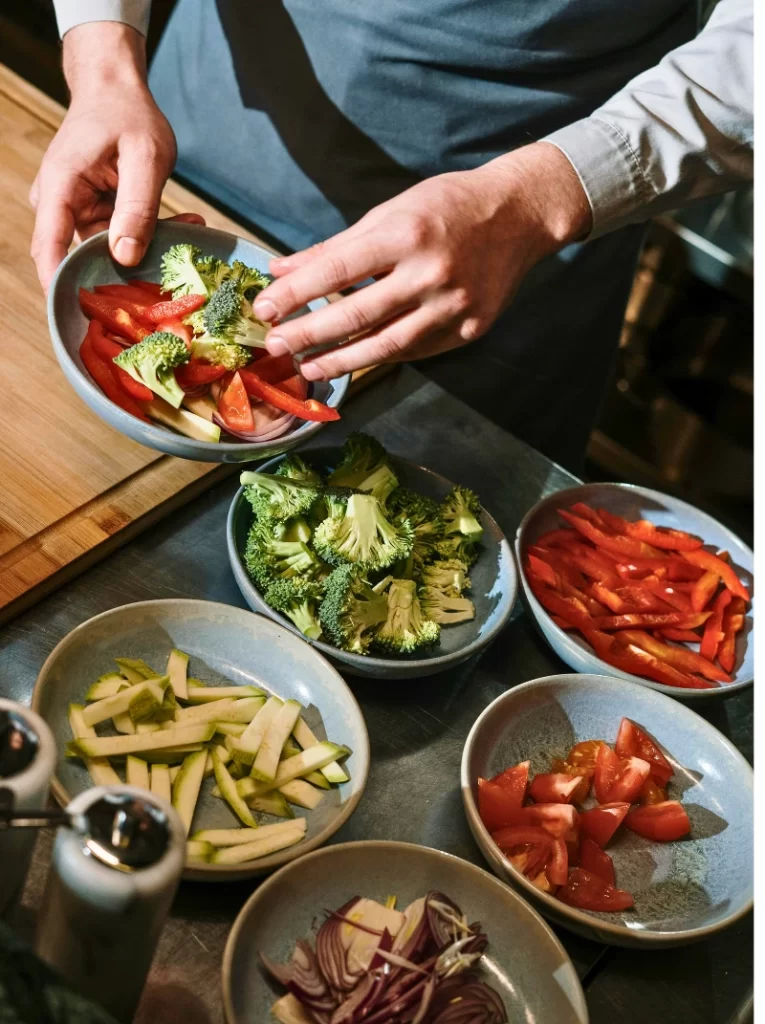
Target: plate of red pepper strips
<point x="640" y="585"/>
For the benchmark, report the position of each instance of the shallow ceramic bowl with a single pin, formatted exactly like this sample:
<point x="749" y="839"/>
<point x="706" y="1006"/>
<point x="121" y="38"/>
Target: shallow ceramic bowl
<point x="227" y="646"/>
<point x="494" y="579"/>
<point x="90" y="264"/>
<point x="684" y="891"/>
<point x="663" y="510"/>
<point x="526" y="963"/>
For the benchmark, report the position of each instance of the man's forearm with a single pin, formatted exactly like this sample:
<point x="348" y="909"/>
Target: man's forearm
<point x="70" y="13"/>
<point x="678" y="132"/>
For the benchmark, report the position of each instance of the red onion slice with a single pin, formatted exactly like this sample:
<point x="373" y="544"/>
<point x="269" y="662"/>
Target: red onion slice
<point x="443" y="917"/>
<point x="268" y="433"/>
<point x="331" y="953"/>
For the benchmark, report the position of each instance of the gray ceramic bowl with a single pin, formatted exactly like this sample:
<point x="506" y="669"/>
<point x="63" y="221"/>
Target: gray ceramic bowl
<point x="684" y="891"/>
<point x="227" y="645"/>
<point x="663" y="510"/>
<point x="90" y="264"/>
<point x="494" y="578"/>
<point x="526" y="963"/>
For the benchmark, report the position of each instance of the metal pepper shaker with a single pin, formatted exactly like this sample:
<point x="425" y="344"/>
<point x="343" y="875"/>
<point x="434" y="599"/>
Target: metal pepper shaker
<point x="113" y="877"/>
<point x="27" y="760"/>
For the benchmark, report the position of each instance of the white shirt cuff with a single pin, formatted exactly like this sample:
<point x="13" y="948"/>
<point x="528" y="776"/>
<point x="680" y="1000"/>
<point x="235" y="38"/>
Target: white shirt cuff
<point x="70" y="13"/>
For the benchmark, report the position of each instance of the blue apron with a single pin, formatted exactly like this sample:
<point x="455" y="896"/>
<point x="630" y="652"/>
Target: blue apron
<point x="301" y="115"/>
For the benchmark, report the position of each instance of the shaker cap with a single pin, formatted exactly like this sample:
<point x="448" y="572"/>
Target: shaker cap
<point x="19" y="744"/>
<point x="124" y="831"/>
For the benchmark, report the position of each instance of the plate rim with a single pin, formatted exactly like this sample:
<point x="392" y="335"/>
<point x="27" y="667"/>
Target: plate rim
<point x="212" y="872"/>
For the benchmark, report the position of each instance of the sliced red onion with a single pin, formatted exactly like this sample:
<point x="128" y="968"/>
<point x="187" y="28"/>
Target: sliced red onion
<point x="281" y="972"/>
<point x="331" y="953"/>
<point x="384" y="947"/>
<point x="445" y="919"/>
<point x="478" y="1004"/>
<point x="353" y="924"/>
<point x="348" y="1011"/>
<point x="427" y="998"/>
<point x="197" y="391"/>
<point x="277" y="428"/>
<point x="414" y="934"/>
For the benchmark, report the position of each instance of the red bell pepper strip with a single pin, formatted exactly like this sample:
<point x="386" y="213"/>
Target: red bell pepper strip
<point x="643" y="600"/>
<point x="634" y="660"/>
<point x="309" y="409"/>
<point x="148" y="286"/>
<point x="234" y="405"/>
<point x="112" y="315"/>
<point x="107" y="350"/>
<point x="615" y="543"/>
<point x="195" y="373"/>
<point x="275" y="369"/>
<point x="732" y="623"/>
<point x="589" y="513"/>
<point x="544" y="570"/>
<point x="680" y="657"/>
<point x="616" y="603"/>
<point x="704" y="590"/>
<point x="177" y="327"/>
<point x="102" y="375"/>
<point x="562" y="568"/>
<point x="103" y="307"/>
<point x="126" y="292"/>
<point x="713" y="634"/>
<point x="713" y="563"/>
<point x="175" y="309"/>
<point x="588" y="561"/>
<point x="567" y="608"/>
<point x="671" y="593"/>
<point x="663" y="537"/>
<point x="651" y="620"/>
<point x="561" y="623"/>
<point x="683" y="636"/>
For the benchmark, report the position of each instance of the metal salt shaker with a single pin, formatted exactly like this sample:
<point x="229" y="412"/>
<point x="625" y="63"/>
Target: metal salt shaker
<point x="27" y="760"/>
<point x="113" y="877"/>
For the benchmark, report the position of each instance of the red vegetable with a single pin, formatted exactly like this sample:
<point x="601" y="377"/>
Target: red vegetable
<point x="596" y="861"/>
<point x="651" y="620"/>
<point x="651" y="793"/>
<point x="234" y="405"/>
<point x="177" y="327"/>
<point x="102" y="375"/>
<point x="514" y="782"/>
<point x="557" y="819"/>
<point x="663" y="822"/>
<point x="588" y="892"/>
<point x="631" y="741"/>
<point x="496" y="805"/>
<point x="125" y="291"/>
<point x="680" y="657"/>
<point x="704" y="590"/>
<point x="554" y="788"/>
<point x="306" y="410"/>
<point x="118" y="315"/>
<point x="606" y="767"/>
<point x="600" y="823"/>
<point x="713" y="631"/>
<point x="106" y="349"/>
<point x="617" y="544"/>
<point x="274" y="369"/>
<point x="732" y="624"/>
<point x="148" y="286"/>
<point x="683" y="636"/>
<point x="174" y="309"/>
<point x="713" y="563"/>
<point x="194" y="373"/>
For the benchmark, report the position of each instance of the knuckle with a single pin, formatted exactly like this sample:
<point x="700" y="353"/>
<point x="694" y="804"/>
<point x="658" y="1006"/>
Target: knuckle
<point x="440" y="270"/>
<point x="335" y="273"/>
<point x="388" y="346"/>
<point x="413" y="233"/>
<point x="460" y="301"/>
<point x="353" y="319"/>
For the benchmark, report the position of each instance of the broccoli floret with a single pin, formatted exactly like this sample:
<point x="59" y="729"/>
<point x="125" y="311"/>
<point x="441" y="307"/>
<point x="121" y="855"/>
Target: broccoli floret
<point x="292" y="529"/>
<point x="460" y="511"/>
<point x="250" y="281"/>
<point x="297" y="598"/>
<point x="152" y="361"/>
<point x="457" y="546"/>
<point x="221" y="353"/>
<point x="362" y="455"/>
<point x="268" y="559"/>
<point x="445" y="609"/>
<point x="296" y="468"/>
<point x="424" y="515"/>
<point x="450" y="576"/>
<point x="362" y="535"/>
<point x="224" y="317"/>
<point x="380" y="484"/>
<point x="405" y="629"/>
<point x="276" y="497"/>
<point x="351" y="609"/>
<point x="179" y="271"/>
<point x="213" y="272"/>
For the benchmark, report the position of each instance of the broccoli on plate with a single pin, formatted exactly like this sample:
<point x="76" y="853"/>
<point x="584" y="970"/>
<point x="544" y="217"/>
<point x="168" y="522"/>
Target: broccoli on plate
<point x="460" y="511"/>
<point x="405" y="629"/>
<point x="362" y="455"/>
<point x="294" y="467"/>
<point x="380" y="484"/>
<point x="297" y="598"/>
<point x="268" y="559"/>
<point x="277" y="497"/>
<point x="221" y="353"/>
<point x="351" y="609"/>
<point x="180" y="273"/>
<point x="361" y="534"/>
<point x="249" y="280"/>
<point x="449" y="575"/>
<point x="225" y="317"/>
<point x="459" y="547"/>
<point x="446" y="609"/>
<point x="424" y="515"/>
<point x="152" y="361"/>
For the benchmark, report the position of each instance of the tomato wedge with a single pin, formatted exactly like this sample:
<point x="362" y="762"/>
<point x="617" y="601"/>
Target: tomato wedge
<point x="713" y="563"/>
<point x="588" y="892"/>
<point x="663" y="822"/>
<point x="309" y="409"/>
<point x="106" y="349"/>
<point x="600" y="823"/>
<point x="651" y="793"/>
<point x="631" y="741"/>
<point x="596" y="861"/>
<point x="497" y="804"/>
<point x="514" y="781"/>
<point x="554" y="788"/>
<point x="102" y="375"/>
<point x="584" y="775"/>
<point x="630" y="776"/>
<point x="606" y="767"/>
<point x="557" y="819"/>
<point x="585" y="754"/>
<point x="234" y="405"/>
<point x="174" y="309"/>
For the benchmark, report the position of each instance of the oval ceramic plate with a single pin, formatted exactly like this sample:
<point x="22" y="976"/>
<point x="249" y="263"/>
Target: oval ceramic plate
<point x="493" y="576"/>
<point x="227" y="646"/>
<point x="663" y="510"/>
<point x="91" y="264"/>
<point x="525" y="962"/>
<point x="684" y="891"/>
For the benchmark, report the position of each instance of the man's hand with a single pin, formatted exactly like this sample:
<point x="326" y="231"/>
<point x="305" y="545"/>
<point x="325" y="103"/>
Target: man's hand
<point x="110" y="159"/>
<point x="447" y="256"/>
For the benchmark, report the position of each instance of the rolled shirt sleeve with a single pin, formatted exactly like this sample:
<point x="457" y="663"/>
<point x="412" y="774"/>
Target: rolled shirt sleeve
<point x="680" y="131"/>
<point x="70" y="13"/>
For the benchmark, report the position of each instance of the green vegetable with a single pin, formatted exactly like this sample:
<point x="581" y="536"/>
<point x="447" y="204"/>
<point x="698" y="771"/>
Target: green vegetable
<point x="450" y="576"/>
<point x="210" y="694"/>
<point x="117" y="746"/>
<point x="298" y="599"/>
<point x="297" y="792"/>
<point x="267" y="759"/>
<point x="179" y="271"/>
<point x="135" y="669"/>
<point x="380" y="484"/>
<point x="246" y="747"/>
<point x="152" y="361"/>
<point x="199" y="851"/>
<point x="160" y="782"/>
<point x="294" y="467"/>
<point x="106" y="686"/>
<point x="362" y="455"/>
<point x="363" y="536"/>
<point x="405" y="629"/>
<point x="455" y="546"/>
<point x="306" y="738"/>
<point x="177" y="670"/>
<point x="351" y="610"/>
<point x="277" y="497"/>
<point x="185" y="422"/>
<point x="460" y="511"/>
<point x="445" y="609"/>
<point x="136" y="772"/>
<point x="187" y="784"/>
<point x="213" y="272"/>
<point x="290" y="832"/>
<point x="424" y="516"/>
<point x="225" y="317"/>
<point x="268" y="560"/>
<point x="221" y="353"/>
<point x="248" y="279"/>
<point x="227" y="786"/>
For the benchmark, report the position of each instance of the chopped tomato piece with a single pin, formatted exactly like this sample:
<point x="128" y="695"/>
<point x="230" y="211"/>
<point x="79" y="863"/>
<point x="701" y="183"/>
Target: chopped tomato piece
<point x="107" y="349"/>
<point x="514" y="782"/>
<point x="497" y="804"/>
<point x="102" y="375"/>
<point x="704" y="590"/>
<point x="588" y="892"/>
<point x="606" y="767"/>
<point x="732" y="624"/>
<point x="713" y="563"/>
<point x="663" y="822"/>
<point x="631" y="773"/>
<point x="309" y="409"/>
<point x="600" y="823"/>
<point x="234" y="405"/>
<point x="585" y="754"/>
<point x="651" y="793"/>
<point x="554" y="788"/>
<point x="713" y="631"/>
<point x="557" y="867"/>
<point x="513" y="836"/>
<point x="615" y="543"/>
<point x="175" y="309"/>
<point x="583" y="774"/>
<point x="680" y="657"/>
<point x="596" y="861"/>
<point x="557" y="819"/>
<point x="195" y="373"/>
<point x="632" y="741"/>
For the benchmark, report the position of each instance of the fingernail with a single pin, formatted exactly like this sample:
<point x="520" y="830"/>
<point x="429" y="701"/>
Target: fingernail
<point x="128" y="250"/>
<point x="311" y="371"/>
<point x="276" y="346"/>
<point x="265" y="310"/>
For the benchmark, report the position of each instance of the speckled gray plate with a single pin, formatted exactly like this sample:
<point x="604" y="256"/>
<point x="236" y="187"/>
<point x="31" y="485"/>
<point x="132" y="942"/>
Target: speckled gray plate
<point x="663" y="510"/>
<point x="495" y="581"/>
<point x="90" y="264"/>
<point x="685" y="890"/>
<point x="227" y="646"/>
<point x="525" y="962"/>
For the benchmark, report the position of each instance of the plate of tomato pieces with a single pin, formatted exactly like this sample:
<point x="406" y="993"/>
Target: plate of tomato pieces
<point x="617" y="811"/>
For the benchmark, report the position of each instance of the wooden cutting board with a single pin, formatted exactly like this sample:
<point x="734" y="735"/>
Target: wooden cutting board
<point x="71" y="488"/>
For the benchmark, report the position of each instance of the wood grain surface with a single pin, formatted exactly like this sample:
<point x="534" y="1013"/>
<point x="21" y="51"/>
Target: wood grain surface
<point x="72" y="488"/>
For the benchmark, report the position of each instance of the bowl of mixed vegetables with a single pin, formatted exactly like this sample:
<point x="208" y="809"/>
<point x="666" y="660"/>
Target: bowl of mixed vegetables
<point x="171" y="353"/>
<point x="387" y="568"/>
<point x="618" y="812"/>
<point x="632" y="583"/>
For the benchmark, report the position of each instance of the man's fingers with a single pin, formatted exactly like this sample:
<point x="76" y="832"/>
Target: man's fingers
<point x="282" y="265"/>
<point x="54" y="230"/>
<point x="360" y="311"/>
<point x="136" y="207"/>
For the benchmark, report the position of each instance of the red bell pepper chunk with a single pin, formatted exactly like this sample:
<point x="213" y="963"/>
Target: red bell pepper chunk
<point x="680" y="657"/>
<point x="148" y="286"/>
<point x="177" y="327"/>
<point x="638" y="662"/>
<point x="704" y="590"/>
<point x="107" y="350"/>
<point x="713" y="632"/>
<point x="663" y="537"/>
<point x="102" y="375"/>
<point x="683" y="636"/>
<point x="124" y="291"/>
<point x="112" y="314"/>
<point x="651" y="620"/>
<point x="175" y="309"/>
<point x="308" y="409"/>
<point x="732" y="624"/>
<point x="545" y="571"/>
<point x="234" y="405"/>
<point x="713" y="563"/>
<point x="567" y="608"/>
<point x="615" y="543"/>
<point x="195" y="373"/>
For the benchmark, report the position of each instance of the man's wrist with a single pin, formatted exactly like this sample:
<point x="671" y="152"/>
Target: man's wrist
<point x="102" y="54"/>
